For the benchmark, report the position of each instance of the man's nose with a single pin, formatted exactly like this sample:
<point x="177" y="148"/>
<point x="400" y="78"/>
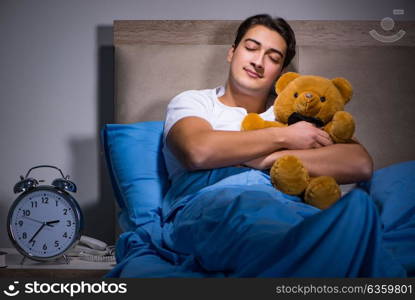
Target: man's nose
<point x="258" y="61"/>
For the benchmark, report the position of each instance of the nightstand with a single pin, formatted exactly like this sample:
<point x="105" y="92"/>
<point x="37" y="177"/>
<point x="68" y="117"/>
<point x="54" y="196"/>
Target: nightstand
<point x="76" y="268"/>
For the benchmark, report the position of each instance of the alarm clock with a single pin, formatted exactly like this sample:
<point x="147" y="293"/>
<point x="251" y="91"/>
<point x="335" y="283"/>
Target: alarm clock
<point x="44" y="221"/>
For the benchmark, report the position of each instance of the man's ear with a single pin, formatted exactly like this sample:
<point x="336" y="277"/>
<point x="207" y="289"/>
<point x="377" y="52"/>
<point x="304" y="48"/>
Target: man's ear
<point x="284" y="80"/>
<point x="231" y="50"/>
<point x="344" y="87"/>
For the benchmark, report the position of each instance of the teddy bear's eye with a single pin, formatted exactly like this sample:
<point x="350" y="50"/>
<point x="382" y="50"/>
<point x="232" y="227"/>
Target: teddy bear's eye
<point x="322" y="99"/>
<point x="295" y="95"/>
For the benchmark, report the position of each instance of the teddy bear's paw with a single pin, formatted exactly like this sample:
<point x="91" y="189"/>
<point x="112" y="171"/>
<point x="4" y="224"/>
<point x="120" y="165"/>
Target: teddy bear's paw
<point x="322" y="192"/>
<point x="252" y="121"/>
<point x="342" y="127"/>
<point x="289" y="175"/>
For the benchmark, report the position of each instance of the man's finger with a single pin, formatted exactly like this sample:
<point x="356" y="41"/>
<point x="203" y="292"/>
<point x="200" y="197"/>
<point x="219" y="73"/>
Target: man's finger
<point x="324" y="139"/>
<point x="325" y="134"/>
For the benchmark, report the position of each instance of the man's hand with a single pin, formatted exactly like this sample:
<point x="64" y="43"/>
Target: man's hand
<point x="299" y="136"/>
<point x="304" y="135"/>
<point x="263" y="162"/>
<point x="347" y="163"/>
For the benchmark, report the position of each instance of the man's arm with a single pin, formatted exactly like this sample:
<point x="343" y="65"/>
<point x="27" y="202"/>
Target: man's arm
<point x="347" y="163"/>
<point x="198" y="146"/>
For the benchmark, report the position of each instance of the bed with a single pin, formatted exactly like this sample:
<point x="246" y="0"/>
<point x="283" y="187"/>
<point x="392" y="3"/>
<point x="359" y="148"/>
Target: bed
<point x="156" y="60"/>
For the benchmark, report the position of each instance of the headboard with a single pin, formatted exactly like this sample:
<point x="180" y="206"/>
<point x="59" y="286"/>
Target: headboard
<point x="156" y="60"/>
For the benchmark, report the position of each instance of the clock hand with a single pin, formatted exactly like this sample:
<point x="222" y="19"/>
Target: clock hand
<point x="43" y="225"/>
<point x="47" y="223"/>
<point x="33" y="219"/>
<point x="52" y="222"/>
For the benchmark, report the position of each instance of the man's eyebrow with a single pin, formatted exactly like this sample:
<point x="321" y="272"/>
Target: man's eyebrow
<point x="259" y="44"/>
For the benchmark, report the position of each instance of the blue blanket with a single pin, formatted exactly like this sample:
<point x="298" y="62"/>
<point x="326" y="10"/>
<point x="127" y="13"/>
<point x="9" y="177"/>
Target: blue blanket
<point x="231" y="222"/>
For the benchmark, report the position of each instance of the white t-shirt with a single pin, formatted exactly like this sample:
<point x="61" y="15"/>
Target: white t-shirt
<point x="204" y="104"/>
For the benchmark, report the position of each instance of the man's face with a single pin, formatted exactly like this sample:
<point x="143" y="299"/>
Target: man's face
<point x="257" y="60"/>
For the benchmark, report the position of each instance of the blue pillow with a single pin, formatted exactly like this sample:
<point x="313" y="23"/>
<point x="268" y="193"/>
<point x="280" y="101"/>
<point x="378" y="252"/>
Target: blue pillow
<point x="133" y="153"/>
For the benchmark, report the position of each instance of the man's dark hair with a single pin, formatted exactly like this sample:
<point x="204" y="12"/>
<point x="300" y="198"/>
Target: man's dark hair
<point x="278" y="24"/>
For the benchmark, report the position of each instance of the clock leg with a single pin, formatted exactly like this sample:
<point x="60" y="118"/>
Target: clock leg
<point x="24" y="257"/>
<point x="67" y="259"/>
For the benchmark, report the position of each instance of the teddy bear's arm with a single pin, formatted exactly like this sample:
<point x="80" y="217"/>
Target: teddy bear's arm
<point x="254" y="121"/>
<point x="341" y="128"/>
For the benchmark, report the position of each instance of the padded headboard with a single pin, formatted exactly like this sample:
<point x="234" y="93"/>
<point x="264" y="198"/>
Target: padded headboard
<point x="156" y="60"/>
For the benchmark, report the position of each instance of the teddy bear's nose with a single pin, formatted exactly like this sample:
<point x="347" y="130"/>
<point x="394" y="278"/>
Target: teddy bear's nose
<point x="309" y="95"/>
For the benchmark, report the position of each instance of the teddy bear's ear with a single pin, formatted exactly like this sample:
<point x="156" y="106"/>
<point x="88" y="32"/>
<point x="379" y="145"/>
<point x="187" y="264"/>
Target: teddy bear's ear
<point x="284" y="80"/>
<point x="344" y="87"/>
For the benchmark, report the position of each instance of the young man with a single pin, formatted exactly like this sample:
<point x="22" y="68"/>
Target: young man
<point x="231" y="221"/>
<point x="202" y="127"/>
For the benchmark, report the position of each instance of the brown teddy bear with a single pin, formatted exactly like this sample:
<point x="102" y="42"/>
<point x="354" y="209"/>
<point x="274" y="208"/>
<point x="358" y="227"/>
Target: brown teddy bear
<point x="317" y="100"/>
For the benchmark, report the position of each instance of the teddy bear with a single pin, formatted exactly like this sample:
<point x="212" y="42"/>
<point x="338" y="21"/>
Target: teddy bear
<point x="317" y="100"/>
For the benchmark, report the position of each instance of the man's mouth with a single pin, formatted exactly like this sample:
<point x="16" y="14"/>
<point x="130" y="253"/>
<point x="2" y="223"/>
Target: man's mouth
<point x="253" y="73"/>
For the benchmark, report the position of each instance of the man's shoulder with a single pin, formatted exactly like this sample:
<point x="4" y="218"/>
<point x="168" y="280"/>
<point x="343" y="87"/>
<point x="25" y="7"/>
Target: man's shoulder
<point x="197" y="93"/>
<point x="202" y="96"/>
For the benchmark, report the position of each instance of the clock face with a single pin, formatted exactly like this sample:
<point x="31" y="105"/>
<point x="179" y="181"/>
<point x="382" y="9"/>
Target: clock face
<point x="44" y="223"/>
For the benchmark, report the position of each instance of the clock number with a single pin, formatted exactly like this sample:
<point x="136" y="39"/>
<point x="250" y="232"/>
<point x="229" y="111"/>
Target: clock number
<point x="33" y="242"/>
<point x="34" y="203"/>
<point x="65" y="211"/>
<point x="56" y="243"/>
<point x="65" y="235"/>
<point x="24" y="235"/>
<point x="26" y="212"/>
<point x="45" y="200"/>
<point x="20" y="223"/>
<point x="56" y="202"/>
<point x="68" y="223"/>
<point x="44" y="247"/>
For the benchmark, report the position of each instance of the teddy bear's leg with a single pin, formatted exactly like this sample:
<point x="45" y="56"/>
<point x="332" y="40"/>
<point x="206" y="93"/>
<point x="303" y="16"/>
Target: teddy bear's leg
<point x="322" y="192"/>
<point x="341" y="128"/>
<point x="289" y="175"/>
